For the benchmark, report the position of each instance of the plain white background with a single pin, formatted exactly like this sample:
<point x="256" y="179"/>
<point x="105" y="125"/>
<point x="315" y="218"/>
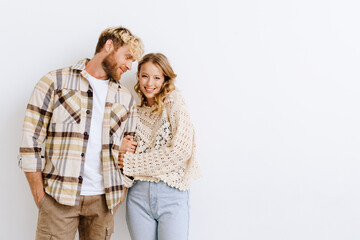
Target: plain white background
<point x="272" y="88"/>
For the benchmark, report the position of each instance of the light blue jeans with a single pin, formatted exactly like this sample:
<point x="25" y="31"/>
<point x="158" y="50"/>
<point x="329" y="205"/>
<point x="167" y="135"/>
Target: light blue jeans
<point x="156" y="211"/>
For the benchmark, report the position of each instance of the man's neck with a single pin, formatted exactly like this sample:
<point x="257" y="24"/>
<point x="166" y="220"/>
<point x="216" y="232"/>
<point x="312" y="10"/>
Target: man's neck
<point x="95" y="69"/>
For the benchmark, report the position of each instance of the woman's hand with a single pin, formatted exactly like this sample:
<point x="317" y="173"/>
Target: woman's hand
<point x="127" y="145"/>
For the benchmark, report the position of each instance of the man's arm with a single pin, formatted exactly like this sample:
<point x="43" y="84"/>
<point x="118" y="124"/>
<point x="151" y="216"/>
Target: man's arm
<point x="36" y="185"/>
<point x="37" y="117"/>
<point x="126" y="143"/>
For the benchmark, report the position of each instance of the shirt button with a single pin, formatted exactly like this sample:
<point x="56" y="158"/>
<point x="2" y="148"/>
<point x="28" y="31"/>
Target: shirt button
<point x="89" y="92"/>
<point x="85" y="133"/>
<point x="88" y="111"/>
<point x="80" y="178"/>
<point x="82" y="154"/>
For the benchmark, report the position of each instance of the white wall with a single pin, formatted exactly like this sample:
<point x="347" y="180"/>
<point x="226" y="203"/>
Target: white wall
<point x="272" y="87"/>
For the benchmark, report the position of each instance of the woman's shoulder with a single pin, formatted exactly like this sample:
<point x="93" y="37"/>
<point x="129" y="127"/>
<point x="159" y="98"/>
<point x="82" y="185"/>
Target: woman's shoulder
<point x="174" y="97"/>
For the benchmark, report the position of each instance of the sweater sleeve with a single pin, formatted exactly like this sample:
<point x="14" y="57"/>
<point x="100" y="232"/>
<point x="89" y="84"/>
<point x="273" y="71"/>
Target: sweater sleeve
<point x="172" y="156"/>
<point x="37" y="118"/>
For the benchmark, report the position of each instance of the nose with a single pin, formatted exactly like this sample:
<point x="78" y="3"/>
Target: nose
<point x="149" y="82"/>
<point x="129" y="65"/>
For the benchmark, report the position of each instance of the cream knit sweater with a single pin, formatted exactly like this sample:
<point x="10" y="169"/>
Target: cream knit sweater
<point x="166" y="146"/>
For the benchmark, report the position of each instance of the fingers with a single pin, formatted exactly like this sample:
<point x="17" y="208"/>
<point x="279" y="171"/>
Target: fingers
<point x="131" y="142"/>
<point x="128" y="137"/>
<point x="131" y="150"/>
<point x="128" y="142"/>
<point x="128" y="145"/>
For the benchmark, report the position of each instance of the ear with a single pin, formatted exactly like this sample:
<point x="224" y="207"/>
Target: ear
<point x="109" y="46"/>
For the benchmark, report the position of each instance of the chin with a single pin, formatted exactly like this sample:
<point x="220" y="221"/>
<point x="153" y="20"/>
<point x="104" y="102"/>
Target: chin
<point x="149" y="95"/>
<point x="116" y="77"/>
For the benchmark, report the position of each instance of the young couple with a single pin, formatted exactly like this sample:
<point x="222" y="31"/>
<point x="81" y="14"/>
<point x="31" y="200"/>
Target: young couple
<point x="85" y="142"/>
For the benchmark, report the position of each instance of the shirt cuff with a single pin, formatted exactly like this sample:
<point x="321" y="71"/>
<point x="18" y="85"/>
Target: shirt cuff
<point x="31" y="163"/>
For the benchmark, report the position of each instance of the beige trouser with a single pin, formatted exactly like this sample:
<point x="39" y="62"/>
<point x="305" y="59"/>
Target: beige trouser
<point x="91" y="217"/>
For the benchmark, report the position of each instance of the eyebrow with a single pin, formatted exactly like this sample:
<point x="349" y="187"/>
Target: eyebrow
<point x="148" y="74"/>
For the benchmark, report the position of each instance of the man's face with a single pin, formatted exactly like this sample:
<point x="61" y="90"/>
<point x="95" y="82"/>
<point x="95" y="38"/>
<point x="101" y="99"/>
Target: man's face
<point x="118" y="62"/>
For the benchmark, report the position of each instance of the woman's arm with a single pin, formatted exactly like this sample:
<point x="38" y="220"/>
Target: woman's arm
<point x="167" y="158"/>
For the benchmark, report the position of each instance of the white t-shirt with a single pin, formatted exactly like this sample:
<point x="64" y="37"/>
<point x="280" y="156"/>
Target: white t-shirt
<point x="93" y="180"/>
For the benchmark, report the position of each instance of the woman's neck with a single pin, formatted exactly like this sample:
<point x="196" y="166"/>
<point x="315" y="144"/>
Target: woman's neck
<point x="150" y="101"/>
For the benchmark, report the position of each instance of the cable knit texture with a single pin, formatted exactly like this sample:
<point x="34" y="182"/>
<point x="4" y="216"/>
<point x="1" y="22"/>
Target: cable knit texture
<point x="166" y="146"/>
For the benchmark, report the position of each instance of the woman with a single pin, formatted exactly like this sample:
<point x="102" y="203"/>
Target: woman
<point x="164" y="163"/>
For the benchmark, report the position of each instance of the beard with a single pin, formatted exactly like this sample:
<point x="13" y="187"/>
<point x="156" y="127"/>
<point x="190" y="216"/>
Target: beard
<point x="110" y="67"/>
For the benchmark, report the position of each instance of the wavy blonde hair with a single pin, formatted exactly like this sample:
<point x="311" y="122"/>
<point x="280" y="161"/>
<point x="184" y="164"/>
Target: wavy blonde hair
<point x="121" y="36"/>
<point x="161" y="61"/>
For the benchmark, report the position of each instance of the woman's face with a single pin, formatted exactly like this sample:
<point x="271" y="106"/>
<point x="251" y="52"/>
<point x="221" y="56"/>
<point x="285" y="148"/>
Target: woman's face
<point x="151" y="79"/>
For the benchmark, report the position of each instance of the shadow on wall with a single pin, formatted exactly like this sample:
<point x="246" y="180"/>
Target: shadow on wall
<point x="129" y="81"/>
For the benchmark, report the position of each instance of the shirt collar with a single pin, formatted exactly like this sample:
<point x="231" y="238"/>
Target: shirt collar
<point x="80" y="65"/>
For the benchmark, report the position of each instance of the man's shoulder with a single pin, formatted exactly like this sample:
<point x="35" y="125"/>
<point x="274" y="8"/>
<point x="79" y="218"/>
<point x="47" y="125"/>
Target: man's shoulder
<point x="124" y="90"/>
<point x="56" y="72"/>
<point x="66" y="77"/>
<point x="75" y="68"/>
<point x="124" y="96"/>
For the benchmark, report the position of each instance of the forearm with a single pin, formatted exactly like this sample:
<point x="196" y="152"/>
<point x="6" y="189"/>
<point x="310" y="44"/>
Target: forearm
<point x="36" y="185"/>
<point x="154" y="163"/>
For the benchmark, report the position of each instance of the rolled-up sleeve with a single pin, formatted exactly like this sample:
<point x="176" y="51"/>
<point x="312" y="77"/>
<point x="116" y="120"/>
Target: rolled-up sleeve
<point x="37" y="117"/>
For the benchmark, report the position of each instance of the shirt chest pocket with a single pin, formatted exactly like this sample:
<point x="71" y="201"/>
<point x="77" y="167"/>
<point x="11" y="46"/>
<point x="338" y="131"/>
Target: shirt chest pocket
<point x="67" y="107"/>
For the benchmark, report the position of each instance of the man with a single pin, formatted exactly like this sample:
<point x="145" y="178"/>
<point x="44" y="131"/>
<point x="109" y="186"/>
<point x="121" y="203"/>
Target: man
<point x="81" y="113"/>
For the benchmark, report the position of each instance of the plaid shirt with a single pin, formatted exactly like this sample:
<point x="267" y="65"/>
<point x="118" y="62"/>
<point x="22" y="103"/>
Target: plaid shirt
<point x="59" y="114"/>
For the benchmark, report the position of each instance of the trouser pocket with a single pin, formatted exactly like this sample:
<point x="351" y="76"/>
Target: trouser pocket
<point x="109" y="232"/>
<point x="56" y="221"/>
